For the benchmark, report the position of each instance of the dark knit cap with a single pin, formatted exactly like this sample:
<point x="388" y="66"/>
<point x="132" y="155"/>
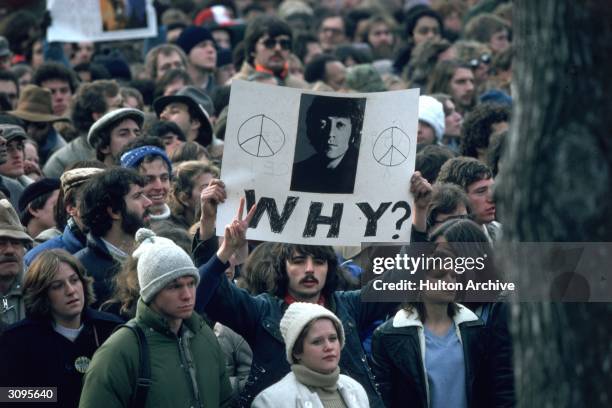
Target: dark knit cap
<point x="192" y="36"/>
<point x="37" y="189"/>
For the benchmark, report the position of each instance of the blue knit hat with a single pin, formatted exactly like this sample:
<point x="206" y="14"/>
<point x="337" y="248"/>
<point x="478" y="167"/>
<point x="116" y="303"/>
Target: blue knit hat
<point x="132" y="158"/>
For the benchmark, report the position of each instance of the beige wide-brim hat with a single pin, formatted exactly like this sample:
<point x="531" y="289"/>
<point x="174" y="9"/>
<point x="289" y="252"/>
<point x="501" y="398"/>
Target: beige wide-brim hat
<point x="10" y="226"/>
<point x="35" y="105"/>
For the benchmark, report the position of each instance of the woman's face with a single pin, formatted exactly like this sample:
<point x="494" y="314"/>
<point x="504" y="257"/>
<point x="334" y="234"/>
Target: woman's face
<point x="199" y="183"/>
<point x="321" y="352"/>
<point x="442" y="273"/>
<point x="66" y="295"/>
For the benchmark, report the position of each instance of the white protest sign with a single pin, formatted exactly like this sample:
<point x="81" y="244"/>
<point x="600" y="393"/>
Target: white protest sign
<point x="323" y="168"/>
<point x="101" y="20"/>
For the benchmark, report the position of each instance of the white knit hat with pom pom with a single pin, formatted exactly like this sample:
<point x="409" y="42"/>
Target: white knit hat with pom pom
<point x="160" y="261"/>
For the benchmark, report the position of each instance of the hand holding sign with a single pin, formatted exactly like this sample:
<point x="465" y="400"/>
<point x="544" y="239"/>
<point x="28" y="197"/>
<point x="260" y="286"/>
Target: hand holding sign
<point x="210" y="197"/>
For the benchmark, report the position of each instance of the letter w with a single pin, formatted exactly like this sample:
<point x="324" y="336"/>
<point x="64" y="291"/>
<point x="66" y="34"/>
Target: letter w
<point x="268" y="205"/>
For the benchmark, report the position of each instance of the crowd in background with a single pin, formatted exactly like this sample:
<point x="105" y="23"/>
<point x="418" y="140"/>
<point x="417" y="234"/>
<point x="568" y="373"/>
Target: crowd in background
<point x="110" y="158"/>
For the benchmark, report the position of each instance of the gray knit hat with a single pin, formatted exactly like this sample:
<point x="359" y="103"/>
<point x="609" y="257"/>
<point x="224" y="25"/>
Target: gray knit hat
<point x="160" y="261"/>
<point x="297" y="316"/>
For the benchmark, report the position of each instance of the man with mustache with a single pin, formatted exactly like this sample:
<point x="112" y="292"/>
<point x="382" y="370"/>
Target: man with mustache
<point x="13" y="240"/>
<point x="113" y="207"/>
<point x="302" y="273"/>
<point x="268" y="42"/>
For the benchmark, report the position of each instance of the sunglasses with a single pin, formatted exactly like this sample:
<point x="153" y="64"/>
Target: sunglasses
<point x="484" y="59"/>
<point x="270" y="43"/>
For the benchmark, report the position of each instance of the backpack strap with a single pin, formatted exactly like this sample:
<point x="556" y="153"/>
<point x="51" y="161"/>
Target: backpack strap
<point x="143" y="382"/>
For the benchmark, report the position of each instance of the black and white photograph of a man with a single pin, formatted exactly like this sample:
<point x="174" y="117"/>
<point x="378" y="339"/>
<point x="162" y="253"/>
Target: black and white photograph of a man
<point x="327" y="147"/>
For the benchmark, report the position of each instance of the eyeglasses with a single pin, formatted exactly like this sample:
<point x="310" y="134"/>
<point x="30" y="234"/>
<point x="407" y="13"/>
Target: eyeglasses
<point x="270" y="43"/>
<point x="484" y="59"/>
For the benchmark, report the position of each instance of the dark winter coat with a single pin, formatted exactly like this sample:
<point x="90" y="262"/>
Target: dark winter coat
<point x="101" y="266"/>
<point x="33" y="354"/>
<point x="398" y="361"/>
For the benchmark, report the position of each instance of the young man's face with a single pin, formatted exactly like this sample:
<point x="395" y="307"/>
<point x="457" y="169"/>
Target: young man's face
<point x="166" y="62"/>
<point x="179" y="113"/>
<point x="177" y="299"/>
<point x="332" y="33"/>
<point x="499" y="41"/>
<point x="480" y="194"/>
<point x="122" y="134"/>
<point x="335" y="133"/>
<point x="462" y="87"/>
<point x="307" y="276"/>
<point x="272" y="53"/>
<point x="13" y="167"/>
<point x="136" y="214"/>
<point x="381" y="38"/>
<point x="84" y="52"/>
<point x="157" y="181"/>
<point x="10" y="89"/>
<point x="204" y="56"/>
<point x="60" y="95"/>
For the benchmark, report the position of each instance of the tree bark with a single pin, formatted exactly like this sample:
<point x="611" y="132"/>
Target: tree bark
<point x="555" y="186"/>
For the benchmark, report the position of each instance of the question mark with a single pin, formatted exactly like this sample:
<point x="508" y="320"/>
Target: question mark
<point x="398" y="224"/>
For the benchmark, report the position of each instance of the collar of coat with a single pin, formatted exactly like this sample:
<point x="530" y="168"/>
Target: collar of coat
<point x="404" y="318"/>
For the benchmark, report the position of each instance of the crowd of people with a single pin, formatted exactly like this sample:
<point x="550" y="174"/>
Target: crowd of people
<point x="115" y="285"/>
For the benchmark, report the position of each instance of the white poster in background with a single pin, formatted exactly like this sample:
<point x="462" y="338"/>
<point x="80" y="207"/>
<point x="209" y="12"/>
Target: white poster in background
<point x="101" y="20"/>
<point x="323" y="168"/>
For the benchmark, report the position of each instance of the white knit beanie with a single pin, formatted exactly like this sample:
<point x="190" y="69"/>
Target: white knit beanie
<point x="297" y="316"/>
<point x="431" y="112"/>
<point x="160" y="261"/>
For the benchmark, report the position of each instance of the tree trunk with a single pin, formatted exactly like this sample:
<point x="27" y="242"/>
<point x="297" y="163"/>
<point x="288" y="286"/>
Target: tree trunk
<point x="555" y="185"/>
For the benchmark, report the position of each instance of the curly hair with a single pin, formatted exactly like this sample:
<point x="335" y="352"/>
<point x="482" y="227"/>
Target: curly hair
<point x="477" y="127"/>
<point x="91" y="98"/>
<point x="463" y="171"/>
<point x="53" y="70"/>
<point x="106" y="190"/>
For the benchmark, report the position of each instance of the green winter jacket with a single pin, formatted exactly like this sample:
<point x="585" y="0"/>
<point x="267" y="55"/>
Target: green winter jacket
<point x="111" y="377"/>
